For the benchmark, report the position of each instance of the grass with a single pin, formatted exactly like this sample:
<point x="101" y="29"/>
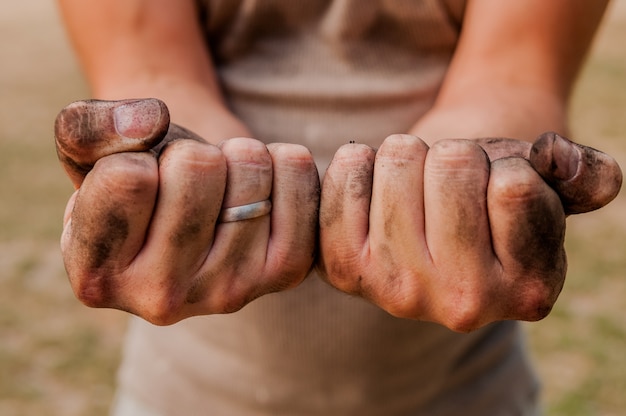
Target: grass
<point x="59" y="358"/>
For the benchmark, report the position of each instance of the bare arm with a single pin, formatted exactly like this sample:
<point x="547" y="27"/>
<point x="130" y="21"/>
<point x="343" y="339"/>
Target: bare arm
<point x="143" y="232"/>
<point x="445" y="233"/>
<point x="151" y="48"/>
<point x="514" y="69"/>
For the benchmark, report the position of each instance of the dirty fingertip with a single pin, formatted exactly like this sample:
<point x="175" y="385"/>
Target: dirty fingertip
<point x="555" y="157"/>
<point x="88" y="130"/>
<point x="585" y="178"/>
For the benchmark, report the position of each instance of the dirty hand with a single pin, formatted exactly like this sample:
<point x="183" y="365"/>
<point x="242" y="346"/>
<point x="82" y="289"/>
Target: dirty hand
<point x="143" y="231"/>
<point x="464" y="233"/>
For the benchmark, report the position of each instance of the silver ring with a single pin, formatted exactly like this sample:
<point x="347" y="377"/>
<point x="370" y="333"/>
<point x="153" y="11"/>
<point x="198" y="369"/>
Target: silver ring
<point x="246" y="212"/>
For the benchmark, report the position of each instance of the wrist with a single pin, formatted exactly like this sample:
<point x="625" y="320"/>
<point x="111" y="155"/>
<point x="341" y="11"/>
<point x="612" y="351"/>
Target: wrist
<point x="507" y="112"/>
<point x="191" y="105"/>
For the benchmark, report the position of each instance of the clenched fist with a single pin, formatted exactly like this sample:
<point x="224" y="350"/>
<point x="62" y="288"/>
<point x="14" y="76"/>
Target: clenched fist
<point x="463" y="233"/>
<point x="145" y="231"/>
<point x="167" y="226"/>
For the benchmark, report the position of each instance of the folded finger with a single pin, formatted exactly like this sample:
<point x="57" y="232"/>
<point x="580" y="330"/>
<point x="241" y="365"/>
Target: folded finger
<point x="107" y="225"/>
<point x="192" y="180"/>
<point x="236" y="262"/>
<point x="294" y="216"/>
<point x="344" y="214"/>
<point x="396" y="232"/>
<point x="456" y="175"/>
<point x="528" y="229"/>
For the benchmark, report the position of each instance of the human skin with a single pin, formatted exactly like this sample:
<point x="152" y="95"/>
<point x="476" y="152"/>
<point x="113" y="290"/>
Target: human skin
<point x="448" y="235"/>
<point x="463" y="247"/>
<point x="495" y="249"/>
<point x="142" y="234"/>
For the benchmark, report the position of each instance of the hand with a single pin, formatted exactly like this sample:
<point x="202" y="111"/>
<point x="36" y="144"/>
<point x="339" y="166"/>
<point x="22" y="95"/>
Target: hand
<point x="142" y="232"/>
<point x="447" y="235"/>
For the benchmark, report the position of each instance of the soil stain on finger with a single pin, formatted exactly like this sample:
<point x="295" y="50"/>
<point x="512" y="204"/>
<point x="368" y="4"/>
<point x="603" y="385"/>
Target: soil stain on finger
<point x="585" y="178"/>
<point x="538" y="242"/>
<point x="100" y="238"/>
<point x="360" y="182"/>
<point x="92" y="262"/>
<point x="331" y="202"/>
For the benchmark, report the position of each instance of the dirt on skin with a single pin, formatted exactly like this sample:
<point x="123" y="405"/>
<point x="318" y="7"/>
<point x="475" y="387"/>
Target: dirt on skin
<point x="58" y="357"/>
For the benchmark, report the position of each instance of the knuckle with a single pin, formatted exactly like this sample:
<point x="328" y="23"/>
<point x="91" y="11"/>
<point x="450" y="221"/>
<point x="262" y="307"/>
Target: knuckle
<point x="292" y="159"/>
<point x="396" y="286"/>
<point x="464" y="323"/>
<point x="193" y="155"/>
<point x="290" y="151"/>
<point x="92" y="289"/>
<point x="114" y="171"/>
<point x="284" y="280"/>
<point x="456" y="149"/>
<point x="163" y="310"/>
<point x="354" y="154"/>
<point x="350" y="175"/>
<point x="466" y="314"/>
<point x="235" y="304"/>
<point x="517" y="185"/>
<point x="291" y="267"/>
<point x="222" y="291"/>
<point x="343" y="272"/>
<point x="407" y="305"/>
<point x="245" y="150"/>
<point x="457" y="157"/>
<point x="232" y="300"/>
<point x="500" y="147"/>
<point x="402" y="146"/>
<point x="537" y="301"/>
<point x="249" y="167"/>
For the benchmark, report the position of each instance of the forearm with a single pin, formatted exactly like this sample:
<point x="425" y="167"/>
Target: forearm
<point x="514" y="69"/>
<point x="151" y="48"/>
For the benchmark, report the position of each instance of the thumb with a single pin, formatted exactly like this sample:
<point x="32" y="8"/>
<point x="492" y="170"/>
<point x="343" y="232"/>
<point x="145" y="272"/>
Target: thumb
<point x="585" y="178"/>
<point x="86" y="131"/>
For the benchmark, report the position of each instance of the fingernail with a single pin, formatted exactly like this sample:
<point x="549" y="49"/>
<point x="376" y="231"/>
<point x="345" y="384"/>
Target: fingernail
<point x="566" y="158"/>
<point x="137" y="119"/>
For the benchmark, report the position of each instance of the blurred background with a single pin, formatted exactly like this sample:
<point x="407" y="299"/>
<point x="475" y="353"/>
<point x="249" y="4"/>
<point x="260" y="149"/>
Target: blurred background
<point x="58" y="357"/>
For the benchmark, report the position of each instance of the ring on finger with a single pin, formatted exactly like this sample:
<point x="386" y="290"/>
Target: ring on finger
<point x="246" y="212"/>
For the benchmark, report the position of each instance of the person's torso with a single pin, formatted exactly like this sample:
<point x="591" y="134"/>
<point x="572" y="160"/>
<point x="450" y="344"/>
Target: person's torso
<point x="321" y="73"/>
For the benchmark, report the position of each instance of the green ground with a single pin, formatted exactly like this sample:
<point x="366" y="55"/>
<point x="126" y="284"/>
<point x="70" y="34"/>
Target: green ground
<point x="59" y="358"/>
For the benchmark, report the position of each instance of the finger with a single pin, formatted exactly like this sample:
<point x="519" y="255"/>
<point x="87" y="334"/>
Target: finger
<point x="528" y="229"/>
<point x="174" y="133"/>
<point x="585" y="179"/>
<point x="69" y="208"/>
<point x="456" y="175"/>
<point x="108" y="224"/>
<point x="192" y="180"/>
<point x="344" y="214"/>
<point x="498" y="147"/>
<point x="86" y="131"/>
<point x="239" y="250"/>
<point x="396" y="234"/>
<point x="294" y="217"/>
